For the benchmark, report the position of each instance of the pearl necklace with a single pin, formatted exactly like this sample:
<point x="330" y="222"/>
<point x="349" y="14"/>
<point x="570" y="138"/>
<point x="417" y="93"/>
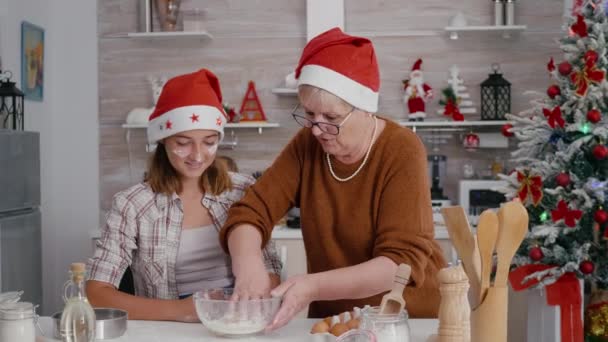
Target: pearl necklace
<point x="371" y="142"/>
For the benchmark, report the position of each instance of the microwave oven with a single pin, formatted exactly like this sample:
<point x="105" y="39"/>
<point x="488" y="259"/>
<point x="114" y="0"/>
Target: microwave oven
<point x="475" y="196"/>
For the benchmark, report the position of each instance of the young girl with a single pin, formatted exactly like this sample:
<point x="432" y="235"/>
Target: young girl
<point x="166" y="228"/>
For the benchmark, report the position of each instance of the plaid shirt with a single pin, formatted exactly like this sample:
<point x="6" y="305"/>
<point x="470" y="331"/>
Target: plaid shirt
<point x="143" y="229"/>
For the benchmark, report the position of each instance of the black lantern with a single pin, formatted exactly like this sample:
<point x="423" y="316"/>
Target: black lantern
<point x="11" y="103"/>
<point x="495" y="96"/>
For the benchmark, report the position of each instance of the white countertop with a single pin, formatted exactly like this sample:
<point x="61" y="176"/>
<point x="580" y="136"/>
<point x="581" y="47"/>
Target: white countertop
<point x="296" y="331"/>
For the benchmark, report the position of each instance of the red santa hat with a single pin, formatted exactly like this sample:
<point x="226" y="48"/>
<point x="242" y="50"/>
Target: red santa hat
<point x="343" y="65"/>
<point x="416" y="67"/>
<point x="187" y="102"/>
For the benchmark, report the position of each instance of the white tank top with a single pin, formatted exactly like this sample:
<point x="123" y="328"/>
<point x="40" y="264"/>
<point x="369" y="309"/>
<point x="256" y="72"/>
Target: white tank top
<point x="201" y="261"/>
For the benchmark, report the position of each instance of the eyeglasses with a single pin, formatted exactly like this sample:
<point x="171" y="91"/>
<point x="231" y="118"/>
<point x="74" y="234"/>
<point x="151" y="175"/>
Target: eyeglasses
<point x="326" y="127"/>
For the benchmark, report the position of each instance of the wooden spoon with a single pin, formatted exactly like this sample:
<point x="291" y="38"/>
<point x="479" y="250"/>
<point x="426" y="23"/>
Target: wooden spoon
<point x="461" y="237"/>
<point x="513" y="227"/>
<point x="487" y="233"/>
<point x="393" y="302"/>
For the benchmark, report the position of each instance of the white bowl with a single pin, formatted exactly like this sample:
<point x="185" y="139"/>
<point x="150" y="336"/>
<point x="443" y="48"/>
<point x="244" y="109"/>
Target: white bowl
<point x="224" y="317"/>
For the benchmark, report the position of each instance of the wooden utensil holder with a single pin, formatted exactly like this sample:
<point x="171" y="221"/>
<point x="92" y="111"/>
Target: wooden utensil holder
<point x="489" y="319"/>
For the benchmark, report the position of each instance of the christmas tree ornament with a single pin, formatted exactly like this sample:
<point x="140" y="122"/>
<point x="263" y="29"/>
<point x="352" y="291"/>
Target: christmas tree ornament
<point x="564" y="68"/>
<point x="580" y="27"/>
<point x="530" y="186"/>
<point x="495" y="96"/>
<point x="536" y="254"/>
<point x="461" y="102"/>
<point x="416" y="93"/>
<point x="553" y="91"/>
<point x="551" y="65"/>
<point x="600" y="216"/>
<point x="563" y="212"/>
<point x="505" y="130"/>
<point x="596" y="315"/>
<point x="563" y="179"/>
<point x="471" y="142"/>
<point x="589" y="74"/>
<point x="600" y="152"/>
<point x="594" y="116"/>
<point x="591" y="57"/>
<point x="586" y="267"/>
<point x="554" y="117"/>
<point x="251" y="108"/>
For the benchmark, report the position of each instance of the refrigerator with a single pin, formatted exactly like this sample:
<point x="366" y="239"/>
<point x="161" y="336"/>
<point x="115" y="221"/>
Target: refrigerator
<point x="20" y="223"/>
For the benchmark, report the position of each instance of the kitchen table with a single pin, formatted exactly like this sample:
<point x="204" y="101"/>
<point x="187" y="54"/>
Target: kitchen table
<point x="296" y="331"/>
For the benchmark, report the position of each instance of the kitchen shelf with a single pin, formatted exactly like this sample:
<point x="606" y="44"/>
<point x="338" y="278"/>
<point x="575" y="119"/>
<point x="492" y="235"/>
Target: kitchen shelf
<point x="506" y="30"/>
<point x="451" y="124"/>
<point x="249" y="124"/>
<point x="285" y="91"/>
<point x="164" y="35"/>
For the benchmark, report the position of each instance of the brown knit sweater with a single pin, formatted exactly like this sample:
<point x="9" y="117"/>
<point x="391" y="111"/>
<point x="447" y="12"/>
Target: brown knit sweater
<point x="383" y="211"/>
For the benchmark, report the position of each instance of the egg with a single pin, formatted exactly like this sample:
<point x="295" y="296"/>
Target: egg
<point x="345" y="317"/>
<point x="328" y="320"/>
<point x="320" y="327"/>
<point x="338" y="329"/>
<point x="353" y="323"/>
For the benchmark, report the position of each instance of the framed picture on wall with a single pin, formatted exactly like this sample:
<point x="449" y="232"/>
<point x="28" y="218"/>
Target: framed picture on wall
<point x="32" y="61"/>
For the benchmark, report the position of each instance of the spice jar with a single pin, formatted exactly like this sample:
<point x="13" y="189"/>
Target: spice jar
<point x="386" y="328"/>
<point x="17" y="322"/>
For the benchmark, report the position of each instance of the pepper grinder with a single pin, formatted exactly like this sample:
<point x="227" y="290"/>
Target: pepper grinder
<point x="454" y="309"/>
<point x="499" y="12"/>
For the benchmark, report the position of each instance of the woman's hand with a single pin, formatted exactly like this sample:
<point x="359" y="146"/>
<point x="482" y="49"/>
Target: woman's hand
<point x="252" y="281"/>
<point x="187" y="311"/>
<point x="297" y="292"/>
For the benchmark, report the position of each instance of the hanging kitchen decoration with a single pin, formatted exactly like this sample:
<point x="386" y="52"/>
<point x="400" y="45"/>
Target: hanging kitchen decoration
<point x="11" y="103"/>
<point x="495" y="96"/>
<point x="251" y="108"/>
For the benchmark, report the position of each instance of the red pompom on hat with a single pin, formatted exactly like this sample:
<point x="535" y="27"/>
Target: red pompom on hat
<point x="343" y="65"/>
<point x="187" y="102"/>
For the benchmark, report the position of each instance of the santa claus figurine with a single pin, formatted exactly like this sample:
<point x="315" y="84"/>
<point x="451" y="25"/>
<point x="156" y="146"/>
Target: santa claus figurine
<point x="416" y="93"/>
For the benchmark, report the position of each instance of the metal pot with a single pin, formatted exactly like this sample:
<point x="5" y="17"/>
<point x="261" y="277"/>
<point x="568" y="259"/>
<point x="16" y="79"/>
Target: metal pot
<point x="109" y="323"/>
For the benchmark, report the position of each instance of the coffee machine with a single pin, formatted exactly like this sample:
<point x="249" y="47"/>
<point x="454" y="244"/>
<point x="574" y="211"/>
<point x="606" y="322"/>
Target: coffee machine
<point x="437" y="173"/>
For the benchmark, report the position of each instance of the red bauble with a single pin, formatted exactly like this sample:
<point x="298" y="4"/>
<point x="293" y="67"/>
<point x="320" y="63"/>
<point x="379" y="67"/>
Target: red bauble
<point x="565" y="68"/>
<point x="594" y="116"/>
<point x="600" y="152"/>
<point x="505" y="130"/>
<point x="536" y="254"/>
<point x="586" y="267"/>
<point x="600" y="216"/>
<point x="471" y="142"/>
<point x="563" y="179"/>
<point x="591" y="56"/>
<point x="553" y="91"/>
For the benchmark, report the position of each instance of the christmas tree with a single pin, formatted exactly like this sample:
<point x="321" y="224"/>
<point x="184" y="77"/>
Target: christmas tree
<point x="562" y="160"/>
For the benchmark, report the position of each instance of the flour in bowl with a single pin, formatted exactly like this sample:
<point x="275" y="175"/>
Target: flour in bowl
<point x="230" y="327"/>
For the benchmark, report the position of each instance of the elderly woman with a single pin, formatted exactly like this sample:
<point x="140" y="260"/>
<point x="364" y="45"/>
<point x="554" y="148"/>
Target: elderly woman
<point x="362" y="187"/>
<point x="166" y="228"/>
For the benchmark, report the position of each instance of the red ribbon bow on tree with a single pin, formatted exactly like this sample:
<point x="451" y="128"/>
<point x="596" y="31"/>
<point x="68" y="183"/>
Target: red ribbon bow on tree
<point x="563" y="212"/>
<point x="555" y="116"/>
<point x="580" y="27"/>
<point x="590" y="73"/>
<point x="451" y="109"/>
<point x="530" y="186"/>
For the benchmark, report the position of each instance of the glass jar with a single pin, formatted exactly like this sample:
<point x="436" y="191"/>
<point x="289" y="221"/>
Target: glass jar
<point x="386" y="328"/>
<point x="17" y="322"/>
<point x="194" y="20"/>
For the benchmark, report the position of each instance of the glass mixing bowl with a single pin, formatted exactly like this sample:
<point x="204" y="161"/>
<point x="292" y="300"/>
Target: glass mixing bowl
<point x="224" y="317"/>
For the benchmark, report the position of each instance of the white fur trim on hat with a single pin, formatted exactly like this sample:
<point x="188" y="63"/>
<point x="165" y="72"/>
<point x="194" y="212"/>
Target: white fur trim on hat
<point x="185" y="119"/>
<point x="343" y="87"/>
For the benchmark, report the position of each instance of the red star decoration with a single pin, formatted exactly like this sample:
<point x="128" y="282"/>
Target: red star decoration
<point x="555" y="117"/>
<point x="194" y="117"/>
<point x="563" y="212"/>
<point x="168" y="124"/>
<point x="218" y="121"/>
